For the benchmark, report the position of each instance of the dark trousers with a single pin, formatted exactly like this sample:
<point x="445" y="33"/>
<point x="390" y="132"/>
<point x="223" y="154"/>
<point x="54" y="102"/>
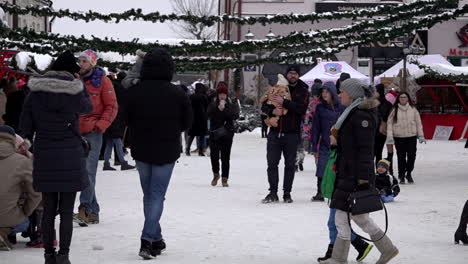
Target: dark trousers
<point x="278" y="144"/>
<point x="379" y="146"/>
<point x="61" y="203"/>
<point x="406" y="153"/>
<point x="221" y="146"/>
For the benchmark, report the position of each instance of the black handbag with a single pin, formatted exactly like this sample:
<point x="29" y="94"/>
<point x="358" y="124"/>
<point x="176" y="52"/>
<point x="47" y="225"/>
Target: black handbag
<point x="219" y="133"/>
<point x="364" y="202"/>
<point x="84" y="142"/>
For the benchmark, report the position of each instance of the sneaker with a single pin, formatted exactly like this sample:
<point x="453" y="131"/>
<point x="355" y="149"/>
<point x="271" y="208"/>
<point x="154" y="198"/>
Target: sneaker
<point x="318" y="198"/>
<point x="107" y="167"/>
<point x="126" y="166"/>
<point x="157" y="247"/>
<point x="145" y="250"/>
<point x="272" y="197"/>
<point x="287" y="198"/>
<point x="362" y="247"/>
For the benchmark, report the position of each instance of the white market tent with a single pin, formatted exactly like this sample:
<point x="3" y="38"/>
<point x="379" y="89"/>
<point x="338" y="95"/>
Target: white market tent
<point x="413" y="69"/>
<point x="330" y="71"/>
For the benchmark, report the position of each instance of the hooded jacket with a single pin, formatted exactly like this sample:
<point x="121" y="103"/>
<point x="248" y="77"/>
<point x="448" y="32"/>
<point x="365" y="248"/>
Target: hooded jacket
<point x="157" y="111"/>
<point x="16" y="180"/>
<point x="355" y="152"/>
<point x="51" y="113"/>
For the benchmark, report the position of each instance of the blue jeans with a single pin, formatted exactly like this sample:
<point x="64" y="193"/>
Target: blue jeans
<point x="333" y="232"/>
<point x="21" y="227"/>
<point x="88" y="196"/>
<point x="154" y="180"/>
<point x="110" y="142"/>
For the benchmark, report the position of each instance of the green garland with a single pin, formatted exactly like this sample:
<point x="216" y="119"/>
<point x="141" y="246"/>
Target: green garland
<point x="75" y="44"/>
<point x="433" y="75"/>
<point x="137" y="14"/>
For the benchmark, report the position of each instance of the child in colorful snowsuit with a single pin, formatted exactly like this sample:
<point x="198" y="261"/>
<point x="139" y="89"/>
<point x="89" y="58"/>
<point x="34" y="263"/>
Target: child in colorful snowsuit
<point x="384" y="182"/>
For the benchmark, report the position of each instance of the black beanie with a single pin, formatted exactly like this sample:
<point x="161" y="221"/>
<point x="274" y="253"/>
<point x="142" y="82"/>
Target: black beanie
<point x="66" y="62"/>
<point x="295" y="68"/>
<point x="344" y="76"/>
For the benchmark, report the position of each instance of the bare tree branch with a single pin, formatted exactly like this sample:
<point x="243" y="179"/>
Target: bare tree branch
<point x="196" y="8"/>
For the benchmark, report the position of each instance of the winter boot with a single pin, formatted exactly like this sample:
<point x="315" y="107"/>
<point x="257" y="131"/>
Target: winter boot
<point x="50" y="258"/>
<point x="301" y="167"/>
<point x="362" y="247"/>
<point x="145" y="249"/>
<point x="93" y="219"/>
<point x="390" y="158"/>
<point x="409" y="178"/>
<point x="224" y="181"/>
<point x="385" y="246"/>
<point x="216" y="177"/>
<point x="107" y="167"/>
<point x="340" y="252"/>
<point x="328" y="254"/>
<point x="126" y="166"/>
<point x="460" y="234"/>
<point x="4" y="243"/>
<point x="62" y="259"/>
<point x="272" y="197"/>
<point x="157" y="247"/>
<point x="287" y="198"/>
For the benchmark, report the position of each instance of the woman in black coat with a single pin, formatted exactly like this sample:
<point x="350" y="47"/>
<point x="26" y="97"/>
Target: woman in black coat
<point x="51" y="113"/>
<point x="199" y="128"/>
<point x="222" y="113"/>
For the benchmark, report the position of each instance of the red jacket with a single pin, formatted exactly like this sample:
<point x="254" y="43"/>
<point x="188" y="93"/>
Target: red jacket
<point x="102" y="96"/>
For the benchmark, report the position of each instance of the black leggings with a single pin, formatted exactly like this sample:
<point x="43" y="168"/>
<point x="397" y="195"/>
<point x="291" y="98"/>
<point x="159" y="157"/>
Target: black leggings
<point x="58" y="203"/>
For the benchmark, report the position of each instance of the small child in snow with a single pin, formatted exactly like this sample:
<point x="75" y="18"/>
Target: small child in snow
<point x="387" y="184"/>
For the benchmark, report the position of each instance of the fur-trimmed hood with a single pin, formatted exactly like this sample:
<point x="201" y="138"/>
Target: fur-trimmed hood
<point x="369" y="103"/>
<point x="56" y="82"/>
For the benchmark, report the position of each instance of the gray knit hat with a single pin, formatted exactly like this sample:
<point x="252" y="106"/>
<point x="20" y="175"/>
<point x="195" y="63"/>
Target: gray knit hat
<point x="354" y="87"/>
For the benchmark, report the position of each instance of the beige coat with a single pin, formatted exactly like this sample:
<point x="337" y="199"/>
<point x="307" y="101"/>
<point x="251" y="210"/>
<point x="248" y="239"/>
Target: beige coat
<point x="17" y="196"/>
<point x="408" y="124"/>
<point x="3" y="100"/>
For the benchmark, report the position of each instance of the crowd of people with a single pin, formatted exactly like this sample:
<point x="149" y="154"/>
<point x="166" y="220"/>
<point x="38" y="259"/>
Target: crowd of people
<point x="76" y="113"/>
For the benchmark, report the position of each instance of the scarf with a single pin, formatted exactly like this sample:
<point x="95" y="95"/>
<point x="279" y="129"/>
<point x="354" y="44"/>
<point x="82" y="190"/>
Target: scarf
<point x="95" y="77"/>
<point x="346" y="112"/>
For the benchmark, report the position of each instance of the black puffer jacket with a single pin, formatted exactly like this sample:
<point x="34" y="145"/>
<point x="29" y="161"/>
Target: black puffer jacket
<point x="297" y="107"/>
<point x="117" y="128"/>
<point x="157" y="111"/>
<point x="224" y="118"/>
<point x="200" y="104"/>
<point x="355" y="152"/>
<point x="55" y="102"/>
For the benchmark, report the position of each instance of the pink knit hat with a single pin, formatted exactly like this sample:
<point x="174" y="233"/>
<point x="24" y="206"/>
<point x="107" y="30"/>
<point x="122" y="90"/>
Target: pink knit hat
<point x="391" y="96"/>
<point x="90" y="55"/>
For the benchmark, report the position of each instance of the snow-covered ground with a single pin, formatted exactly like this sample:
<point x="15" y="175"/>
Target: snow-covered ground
<point x="205" y="224"/>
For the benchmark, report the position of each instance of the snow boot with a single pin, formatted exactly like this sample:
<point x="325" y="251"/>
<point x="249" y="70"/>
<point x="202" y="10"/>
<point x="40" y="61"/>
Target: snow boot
<point x="362" y="247"/>
<point x="93" y="219"/>
<point x="328" y="254"/>
<point x="145" y="249"/>
<point x="385" y="246"/>
<point x="287" y="198"/>
<point x="409" y="178"/>
<point x="272" y="197"/>
<point x="318" y="198"/>
<point x="340" y="252"/>
<point x="107" y="167"/>
<point x="4" y="243"/>
<point x="216" y="177"/>
<point x="50" y="258"/>
<point x="224" y="181"/>
<point x="460" y="234"/>
<point x="126" y="166"/>
<point x="157" y="247"/>
<point x="301" y="167"/>
<point x="62" y="259"/>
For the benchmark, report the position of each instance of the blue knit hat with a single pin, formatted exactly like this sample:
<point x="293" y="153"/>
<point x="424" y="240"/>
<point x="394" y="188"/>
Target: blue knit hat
<point x="7" y="129"/>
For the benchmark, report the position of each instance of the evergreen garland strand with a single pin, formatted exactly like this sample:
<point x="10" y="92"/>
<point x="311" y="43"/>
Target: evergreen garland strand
<point x="154" y="17"/>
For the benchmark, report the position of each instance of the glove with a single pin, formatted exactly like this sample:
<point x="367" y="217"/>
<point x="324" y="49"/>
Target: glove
<point x="390" y="141"/>
<point x="422" y="140"/>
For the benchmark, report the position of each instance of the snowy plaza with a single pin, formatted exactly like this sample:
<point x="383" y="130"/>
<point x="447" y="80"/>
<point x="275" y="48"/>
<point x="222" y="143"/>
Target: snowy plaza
<point x="205" y="224"/>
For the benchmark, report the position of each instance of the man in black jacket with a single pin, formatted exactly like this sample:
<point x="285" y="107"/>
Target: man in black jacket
<point x="157" y="112"/>
<point x="284" y="138"/>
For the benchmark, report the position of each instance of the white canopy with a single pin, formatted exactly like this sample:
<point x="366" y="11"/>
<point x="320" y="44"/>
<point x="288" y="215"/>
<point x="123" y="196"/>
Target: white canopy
<point x="330" y="71"/>
<point x="413" y="69"/>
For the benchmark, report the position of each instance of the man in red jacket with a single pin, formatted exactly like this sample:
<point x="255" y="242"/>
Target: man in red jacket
<point x="92" y="127"/>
